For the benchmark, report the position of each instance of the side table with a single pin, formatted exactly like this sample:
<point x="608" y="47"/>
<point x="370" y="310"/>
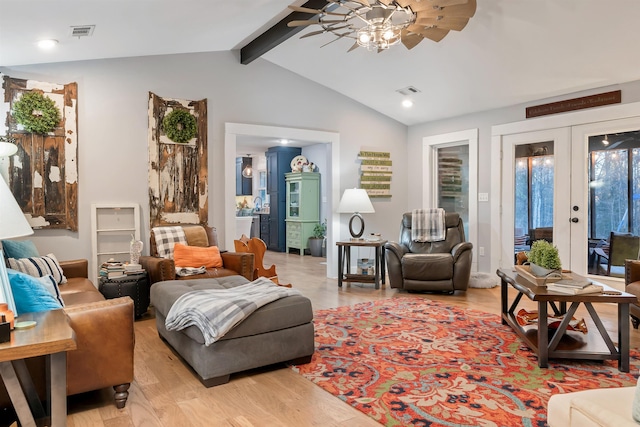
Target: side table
<point x="135" y="286"/>
<point x="344" y="257"/>
<point x="52" y="337"/>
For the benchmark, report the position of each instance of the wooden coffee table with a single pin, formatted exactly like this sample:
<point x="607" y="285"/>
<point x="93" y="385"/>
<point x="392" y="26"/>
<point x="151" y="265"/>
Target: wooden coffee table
<point x="594" y="347"/>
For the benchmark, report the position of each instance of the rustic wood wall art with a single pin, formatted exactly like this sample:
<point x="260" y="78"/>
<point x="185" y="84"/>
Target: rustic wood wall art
<point x="178" y="186"/>
<point x="376" y="170"/>
<point x="43" y="175"/>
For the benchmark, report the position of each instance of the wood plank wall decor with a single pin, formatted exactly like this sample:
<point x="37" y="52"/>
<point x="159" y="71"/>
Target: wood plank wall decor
<point x="43" y="175"/>
<point x="376" y="170"/>
<point x="178" y="186"/>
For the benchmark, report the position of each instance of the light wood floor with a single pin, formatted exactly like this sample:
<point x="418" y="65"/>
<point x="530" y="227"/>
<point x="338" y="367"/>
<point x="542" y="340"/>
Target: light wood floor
<point x="166" y="393"/>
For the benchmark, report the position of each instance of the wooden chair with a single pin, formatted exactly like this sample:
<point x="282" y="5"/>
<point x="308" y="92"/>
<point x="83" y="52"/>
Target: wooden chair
<point x="257" y="247"/>
<point x="621" y="248"/>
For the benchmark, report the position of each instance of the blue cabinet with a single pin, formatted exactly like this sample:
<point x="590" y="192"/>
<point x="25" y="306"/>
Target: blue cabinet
<point x="278" y="163"/>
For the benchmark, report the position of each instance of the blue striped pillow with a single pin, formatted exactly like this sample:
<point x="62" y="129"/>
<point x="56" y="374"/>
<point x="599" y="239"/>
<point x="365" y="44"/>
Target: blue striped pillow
<point x="39" y="267"/>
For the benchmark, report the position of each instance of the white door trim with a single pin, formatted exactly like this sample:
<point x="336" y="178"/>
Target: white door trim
<point x="429" y="146"/>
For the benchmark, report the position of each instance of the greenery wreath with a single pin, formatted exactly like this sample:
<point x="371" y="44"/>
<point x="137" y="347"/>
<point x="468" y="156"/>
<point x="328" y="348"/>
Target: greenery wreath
<point x="179" y="126"/>
<point x="36" y="112"/>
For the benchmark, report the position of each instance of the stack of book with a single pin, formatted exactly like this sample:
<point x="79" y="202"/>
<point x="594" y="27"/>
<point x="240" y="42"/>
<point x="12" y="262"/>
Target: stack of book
<point x="133" y="269"/>
<point x="574" y="287"/>
<point x="112" y="269"/>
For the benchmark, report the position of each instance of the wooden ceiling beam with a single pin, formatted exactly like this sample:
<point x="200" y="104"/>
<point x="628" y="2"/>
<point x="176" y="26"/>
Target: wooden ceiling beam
<point x="277" y="34"/>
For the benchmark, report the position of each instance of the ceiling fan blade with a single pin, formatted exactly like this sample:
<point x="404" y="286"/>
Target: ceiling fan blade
<point x="445" y="22"/>
<point x="435" y="34"/>
<point x="464" y="10"/>
<point x="314" y="21"/>
<point x="438" y="3"/>
<point x="314" y="11"/>
<point x="315" y="33"/>
<point x="410" y="40"/>
<point x="302" y="23"/>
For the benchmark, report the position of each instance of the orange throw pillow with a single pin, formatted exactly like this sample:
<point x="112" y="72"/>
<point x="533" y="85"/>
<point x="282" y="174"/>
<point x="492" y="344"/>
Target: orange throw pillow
<point x="196" y="256"/>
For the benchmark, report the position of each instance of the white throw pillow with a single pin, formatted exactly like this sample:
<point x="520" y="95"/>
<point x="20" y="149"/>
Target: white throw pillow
<point x="52" y="286"/>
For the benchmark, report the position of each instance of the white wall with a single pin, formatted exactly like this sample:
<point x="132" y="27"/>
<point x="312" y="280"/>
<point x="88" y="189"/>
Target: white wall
<point x="112" y="123"/>
<point x="484" y="121"/>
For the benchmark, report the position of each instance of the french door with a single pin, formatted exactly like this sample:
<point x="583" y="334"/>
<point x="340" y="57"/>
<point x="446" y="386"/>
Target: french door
<point x="535" y="192"/>
<point x="572" y="186"/>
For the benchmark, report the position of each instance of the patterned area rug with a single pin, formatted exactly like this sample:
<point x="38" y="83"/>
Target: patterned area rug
<point x="415" y="362"/>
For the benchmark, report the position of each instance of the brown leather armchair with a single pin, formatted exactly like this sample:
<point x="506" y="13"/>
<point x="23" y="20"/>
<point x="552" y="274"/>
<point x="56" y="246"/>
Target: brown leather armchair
<point x="160" y="269"/>
<point x="104" y="337"/>
<point x="632" y="285"/>
<point x="443" y="266"/>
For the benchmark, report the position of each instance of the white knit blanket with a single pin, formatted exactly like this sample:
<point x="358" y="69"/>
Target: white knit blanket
<point x="427" y="225"/>
<point x="216" y="311"/>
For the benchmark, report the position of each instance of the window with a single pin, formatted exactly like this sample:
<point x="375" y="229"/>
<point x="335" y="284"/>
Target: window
<point x="614" y="184"/>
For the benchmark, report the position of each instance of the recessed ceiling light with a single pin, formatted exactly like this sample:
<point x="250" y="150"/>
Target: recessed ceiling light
<point x="47" y="44"/>
<point x="407" y="103"/>
<point x="284" y="141"/>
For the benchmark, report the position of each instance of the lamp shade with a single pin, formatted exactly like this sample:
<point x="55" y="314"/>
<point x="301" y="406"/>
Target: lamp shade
<point x="7" y="149"/>
<point x="12" y="221"/>
<point x="355" y="200"/>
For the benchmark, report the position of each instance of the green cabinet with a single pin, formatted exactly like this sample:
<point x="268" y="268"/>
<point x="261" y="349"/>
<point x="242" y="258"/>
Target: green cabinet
<point x="302" y="208"/>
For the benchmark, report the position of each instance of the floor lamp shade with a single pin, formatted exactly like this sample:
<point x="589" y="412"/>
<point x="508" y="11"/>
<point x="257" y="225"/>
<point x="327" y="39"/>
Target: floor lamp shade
<point x="355" y="201"/>
<point x="12" y="224"/>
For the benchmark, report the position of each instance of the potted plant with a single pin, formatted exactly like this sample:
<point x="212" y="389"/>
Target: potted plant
<point x="543" y="258"/>
<point x="316" y="241"/>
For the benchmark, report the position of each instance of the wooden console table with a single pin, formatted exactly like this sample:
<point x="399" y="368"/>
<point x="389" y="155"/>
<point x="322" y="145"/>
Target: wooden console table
<point x="344" y="254"/>
<point x="52" y="337"/>
<point x="595" y="348"/>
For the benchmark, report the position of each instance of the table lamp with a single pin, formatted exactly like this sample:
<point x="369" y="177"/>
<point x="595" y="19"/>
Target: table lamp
<point x="355" y="201"/>
<point x="12" y="224"/>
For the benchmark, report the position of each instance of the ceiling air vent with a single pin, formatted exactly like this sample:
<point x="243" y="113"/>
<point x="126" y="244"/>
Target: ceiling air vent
<point x="82" y="30"/>
<point x="409" y="90"/>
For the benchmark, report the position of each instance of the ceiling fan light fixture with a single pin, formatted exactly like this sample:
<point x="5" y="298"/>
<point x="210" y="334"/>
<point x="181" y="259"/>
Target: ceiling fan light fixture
<point x="380" y="24"/>
<point x="384" y="25"/>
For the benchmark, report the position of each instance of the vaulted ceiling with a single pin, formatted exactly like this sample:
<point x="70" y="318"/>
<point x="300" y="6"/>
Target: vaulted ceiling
<point x="511" y="51"/>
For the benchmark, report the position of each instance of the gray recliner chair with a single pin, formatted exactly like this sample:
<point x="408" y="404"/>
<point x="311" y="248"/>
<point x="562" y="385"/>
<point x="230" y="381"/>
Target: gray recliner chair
<point x="443" y="266"/>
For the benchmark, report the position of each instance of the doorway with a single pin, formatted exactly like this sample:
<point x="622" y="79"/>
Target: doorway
<point x="450" y="178"/>
<point x="576" y="168"/>
<point x="332" y="139"/>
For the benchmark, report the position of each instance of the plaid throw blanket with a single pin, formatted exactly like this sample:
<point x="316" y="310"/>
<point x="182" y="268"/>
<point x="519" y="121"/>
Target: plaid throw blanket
<point x="166" y="238"/>
<point x="216" y="311"/>
<point x="427" y="225"/>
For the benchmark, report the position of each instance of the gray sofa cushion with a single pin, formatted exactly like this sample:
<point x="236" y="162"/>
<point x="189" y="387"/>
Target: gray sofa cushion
<point x="280" y="314"/>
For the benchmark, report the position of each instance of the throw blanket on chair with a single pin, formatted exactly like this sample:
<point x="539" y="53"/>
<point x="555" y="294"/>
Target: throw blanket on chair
<point x="216" y="311"/>
<point x="427" y="225"/>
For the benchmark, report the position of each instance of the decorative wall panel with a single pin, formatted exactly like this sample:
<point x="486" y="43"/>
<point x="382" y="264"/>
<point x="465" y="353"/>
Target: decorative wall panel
<point x="376" y="170"/>
<point x="178" y="187"/>
<point x="43" y="175"/>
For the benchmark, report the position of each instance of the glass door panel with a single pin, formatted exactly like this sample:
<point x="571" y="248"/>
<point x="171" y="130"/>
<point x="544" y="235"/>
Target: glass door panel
<point x="453" y="181"/>
<point x="534" y="196"/>
<point x="614" y="201"/>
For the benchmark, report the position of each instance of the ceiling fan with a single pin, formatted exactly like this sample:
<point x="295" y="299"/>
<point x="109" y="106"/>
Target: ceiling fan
<point x="379" y="24"/>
